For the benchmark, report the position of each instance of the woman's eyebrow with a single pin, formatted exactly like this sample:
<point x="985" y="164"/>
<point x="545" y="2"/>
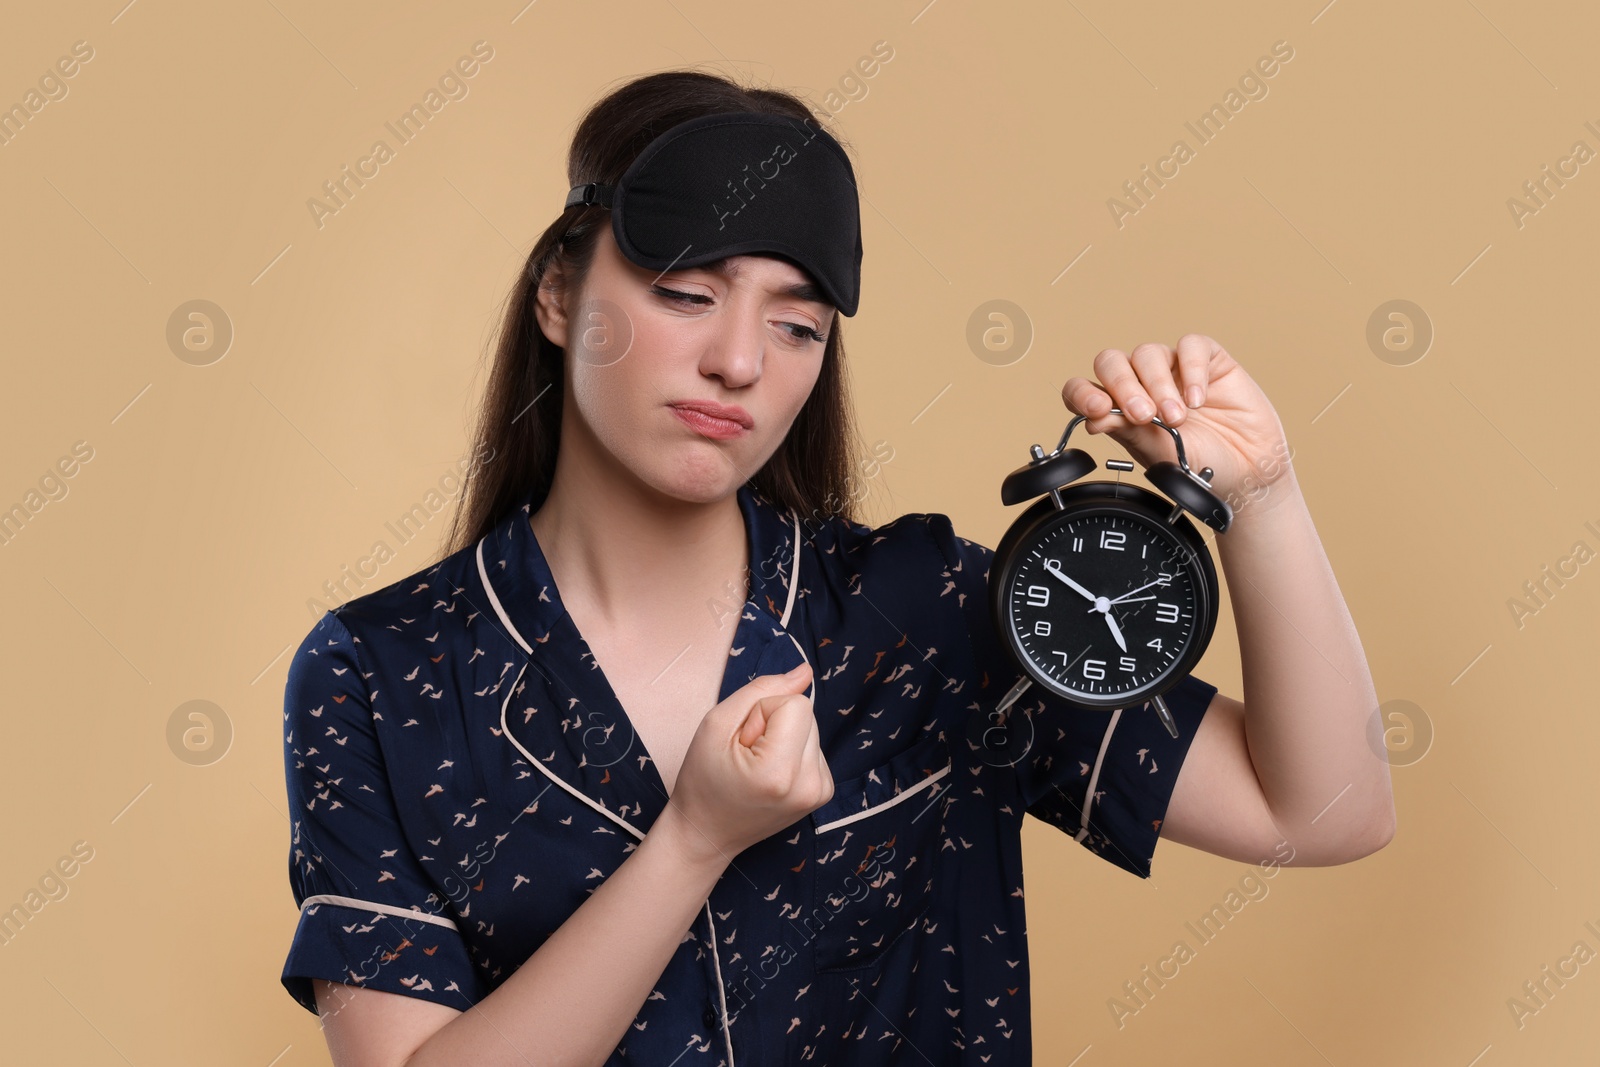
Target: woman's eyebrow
<point x="805" y="291"/>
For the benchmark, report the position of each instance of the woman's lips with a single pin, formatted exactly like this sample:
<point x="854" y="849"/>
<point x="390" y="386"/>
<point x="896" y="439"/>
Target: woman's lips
<point x="709" y="425"/>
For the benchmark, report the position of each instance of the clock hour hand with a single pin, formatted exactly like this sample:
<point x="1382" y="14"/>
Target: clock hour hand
<point x="1059" y="573"/>
<point x="1116" y="631"/>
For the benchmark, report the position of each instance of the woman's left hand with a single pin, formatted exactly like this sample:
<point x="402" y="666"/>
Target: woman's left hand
<point x="1229" y="425"/>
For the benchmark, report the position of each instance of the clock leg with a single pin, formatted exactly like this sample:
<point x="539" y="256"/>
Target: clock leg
<point x="1011" y="698"/>
<point x="1166" y="715"/>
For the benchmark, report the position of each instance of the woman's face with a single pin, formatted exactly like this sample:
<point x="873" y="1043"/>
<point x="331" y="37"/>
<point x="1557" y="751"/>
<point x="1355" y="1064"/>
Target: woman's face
<point x="640" y="344"/>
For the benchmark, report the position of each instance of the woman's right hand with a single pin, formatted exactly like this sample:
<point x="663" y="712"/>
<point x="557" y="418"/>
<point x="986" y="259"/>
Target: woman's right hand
<point x="754" y="766"/>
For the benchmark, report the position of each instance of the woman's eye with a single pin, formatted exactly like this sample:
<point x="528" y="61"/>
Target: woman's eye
<point x="673" y="294"/>
<point x="803" y="332"/>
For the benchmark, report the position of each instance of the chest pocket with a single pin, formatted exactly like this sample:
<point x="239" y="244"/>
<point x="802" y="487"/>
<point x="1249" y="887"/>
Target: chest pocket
<point x="877" y="844"/>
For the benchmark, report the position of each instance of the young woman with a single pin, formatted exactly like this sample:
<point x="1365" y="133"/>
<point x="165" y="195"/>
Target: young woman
<point x="669" y="759"/>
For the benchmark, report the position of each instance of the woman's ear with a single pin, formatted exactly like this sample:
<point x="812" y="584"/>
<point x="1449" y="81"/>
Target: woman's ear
<point x="550" y="305"/>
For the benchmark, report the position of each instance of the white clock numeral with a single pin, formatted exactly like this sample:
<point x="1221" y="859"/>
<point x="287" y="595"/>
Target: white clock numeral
<point x="1094" y="668"/>
<point x="1077" y="544"/>
<point x="1112" y="539"/>
<point x="1155" y="643"/>
<point x="1042" y="628"/>
<point x="1128" y="664"/>
<point x="1038" y="596"/>
<point x="1166" y="612"/>
<point x="1164" y="579"/>
<point x="1143" y="549"/>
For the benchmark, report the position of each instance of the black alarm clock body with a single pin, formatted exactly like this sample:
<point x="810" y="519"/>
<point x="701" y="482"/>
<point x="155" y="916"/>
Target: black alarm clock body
<point x="1108" y="597"/>
<point x="1104" y="592"/>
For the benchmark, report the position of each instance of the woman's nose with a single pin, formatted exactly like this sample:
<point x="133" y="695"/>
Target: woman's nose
<point x="736" y="352"/>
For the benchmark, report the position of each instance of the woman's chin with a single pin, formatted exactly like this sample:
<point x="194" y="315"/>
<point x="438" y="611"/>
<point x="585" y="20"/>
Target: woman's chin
<point x="698" y="477"/>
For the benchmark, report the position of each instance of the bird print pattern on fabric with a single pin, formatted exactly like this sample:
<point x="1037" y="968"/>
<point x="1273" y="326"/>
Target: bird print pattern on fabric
<point x="461" y="776"/>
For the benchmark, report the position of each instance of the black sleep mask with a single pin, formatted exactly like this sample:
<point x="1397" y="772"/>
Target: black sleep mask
<point x="738" y="183"/>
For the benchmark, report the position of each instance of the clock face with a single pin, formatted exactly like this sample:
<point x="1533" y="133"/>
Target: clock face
<point x="1105" y="603"/>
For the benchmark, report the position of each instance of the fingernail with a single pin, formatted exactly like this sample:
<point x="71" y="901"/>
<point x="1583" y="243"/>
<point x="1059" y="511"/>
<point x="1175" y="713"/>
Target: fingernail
<point x="1140" y="408"/>
<point x="1195" y="397"/>
<point x="794" y="671"/>
<point x="1171" y="410"/>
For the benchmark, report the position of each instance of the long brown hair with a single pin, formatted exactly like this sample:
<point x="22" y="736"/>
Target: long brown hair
<point x="518" y="427"/>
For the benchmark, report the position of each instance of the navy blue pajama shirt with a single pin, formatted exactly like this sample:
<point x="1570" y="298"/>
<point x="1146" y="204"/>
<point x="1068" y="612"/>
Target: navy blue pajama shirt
<point x="461" y="776"/>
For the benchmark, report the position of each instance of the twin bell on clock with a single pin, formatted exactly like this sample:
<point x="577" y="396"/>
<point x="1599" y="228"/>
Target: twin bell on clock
<point x="1105" y="592"/>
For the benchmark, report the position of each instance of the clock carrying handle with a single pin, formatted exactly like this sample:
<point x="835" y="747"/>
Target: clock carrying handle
<point x="1190" y="490"/>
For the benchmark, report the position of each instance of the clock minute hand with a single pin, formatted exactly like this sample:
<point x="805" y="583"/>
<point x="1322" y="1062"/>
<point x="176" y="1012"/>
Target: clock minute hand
<point x="1059" y="573"/>
<point x="1130" y="592"/>
<point x="1121" y="600"/>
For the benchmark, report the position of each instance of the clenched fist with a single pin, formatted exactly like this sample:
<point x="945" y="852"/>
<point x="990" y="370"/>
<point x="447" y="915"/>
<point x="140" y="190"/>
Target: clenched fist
<point x="753" y="767"/>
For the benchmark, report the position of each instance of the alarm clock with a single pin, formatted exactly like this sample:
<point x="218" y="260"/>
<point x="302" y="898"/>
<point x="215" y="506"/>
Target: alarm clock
<point x="1105" y="592"/>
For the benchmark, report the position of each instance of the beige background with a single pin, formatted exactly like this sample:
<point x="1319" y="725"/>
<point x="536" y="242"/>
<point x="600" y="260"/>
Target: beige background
<point x="219" y="498"/>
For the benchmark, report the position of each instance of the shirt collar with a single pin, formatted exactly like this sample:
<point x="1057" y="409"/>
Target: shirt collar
<point x="566" y="720"/>
<point x="522" y="591"/>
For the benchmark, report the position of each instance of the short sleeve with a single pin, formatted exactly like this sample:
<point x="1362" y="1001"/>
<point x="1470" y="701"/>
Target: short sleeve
<point x="1103" y="776"/>
<point x="369" y="915"/>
